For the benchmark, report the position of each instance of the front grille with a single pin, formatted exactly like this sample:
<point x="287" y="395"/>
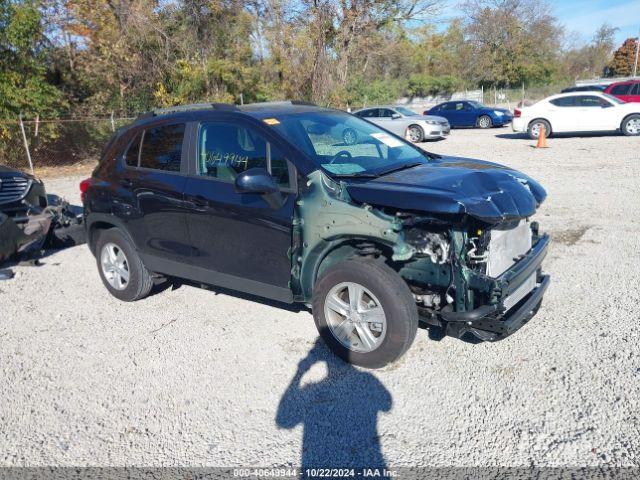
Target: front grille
<point x="506" y="246"/>
<point x="13" y="188"/>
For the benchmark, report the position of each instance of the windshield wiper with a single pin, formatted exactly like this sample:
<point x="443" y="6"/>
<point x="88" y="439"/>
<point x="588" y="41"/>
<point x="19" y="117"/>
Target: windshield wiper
<point x="356" y="175"/>
<point x="400" y="167"/>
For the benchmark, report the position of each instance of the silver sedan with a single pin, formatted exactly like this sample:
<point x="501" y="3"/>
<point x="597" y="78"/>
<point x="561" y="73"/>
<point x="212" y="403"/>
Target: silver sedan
<point x="407" y="123"/>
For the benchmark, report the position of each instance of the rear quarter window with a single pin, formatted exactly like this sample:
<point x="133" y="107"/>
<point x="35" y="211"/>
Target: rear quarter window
<point x="132" y="155"/>
<point x="162" y="147"/>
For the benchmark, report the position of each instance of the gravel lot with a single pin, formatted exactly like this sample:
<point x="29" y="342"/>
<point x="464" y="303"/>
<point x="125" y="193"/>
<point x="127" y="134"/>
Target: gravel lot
<point x="195" y="377"/>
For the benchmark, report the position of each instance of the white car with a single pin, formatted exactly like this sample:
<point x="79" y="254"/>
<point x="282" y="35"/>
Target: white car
<point x="578" y="112"/>
<point x="407" y="123"/>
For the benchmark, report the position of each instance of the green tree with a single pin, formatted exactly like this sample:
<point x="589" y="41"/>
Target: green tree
<point x="513" y="41"/>
<point x="23" y="81"/>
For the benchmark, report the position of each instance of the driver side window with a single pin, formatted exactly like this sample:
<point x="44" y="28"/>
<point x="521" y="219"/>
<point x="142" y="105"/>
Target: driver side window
<point x="226" y="150"/>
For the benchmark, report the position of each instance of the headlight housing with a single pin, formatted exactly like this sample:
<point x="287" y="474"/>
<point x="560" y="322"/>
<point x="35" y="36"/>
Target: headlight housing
<point x="498" y="113"/>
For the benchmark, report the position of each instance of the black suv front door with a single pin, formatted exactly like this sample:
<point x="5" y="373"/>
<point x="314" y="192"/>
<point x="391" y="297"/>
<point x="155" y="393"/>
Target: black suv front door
<point x="240" y="240"/>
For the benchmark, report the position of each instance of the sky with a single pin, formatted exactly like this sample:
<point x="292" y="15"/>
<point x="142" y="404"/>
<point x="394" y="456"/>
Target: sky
<point x="583" y="17"/>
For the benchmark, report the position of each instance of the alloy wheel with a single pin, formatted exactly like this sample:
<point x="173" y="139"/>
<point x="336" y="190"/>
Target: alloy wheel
<point x="355" y="317"/>
<point x="415" y="134"/>
<point x="535" y="129"/>
<point x="349" y="136"/>
<point x="633" y="126"/>
<point x="115" y="266"/>
<point x="484" y="122"/>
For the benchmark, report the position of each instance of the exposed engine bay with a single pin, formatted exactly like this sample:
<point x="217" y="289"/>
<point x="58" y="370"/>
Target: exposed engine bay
<point x="465" y="274"/>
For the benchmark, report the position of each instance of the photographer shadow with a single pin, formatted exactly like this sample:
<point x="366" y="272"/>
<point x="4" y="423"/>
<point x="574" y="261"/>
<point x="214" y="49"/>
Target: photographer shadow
<point x="339" y="414"/>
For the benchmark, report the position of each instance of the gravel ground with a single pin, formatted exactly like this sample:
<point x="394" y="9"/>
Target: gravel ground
<point x="195" y="377"/>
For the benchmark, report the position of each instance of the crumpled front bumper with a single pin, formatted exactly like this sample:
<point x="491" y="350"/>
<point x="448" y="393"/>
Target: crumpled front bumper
<point x="493" y="322"/>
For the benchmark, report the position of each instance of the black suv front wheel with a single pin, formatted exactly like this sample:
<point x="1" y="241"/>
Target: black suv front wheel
<point x="365" y="312"/>
<point x="121" y="268"/>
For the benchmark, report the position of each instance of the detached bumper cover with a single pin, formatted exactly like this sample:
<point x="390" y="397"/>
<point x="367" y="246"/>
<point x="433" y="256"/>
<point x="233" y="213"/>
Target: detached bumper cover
<point x="492" y="322"/>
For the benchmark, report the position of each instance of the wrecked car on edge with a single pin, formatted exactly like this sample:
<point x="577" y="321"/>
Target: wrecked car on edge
<point x="30" y="220"/>
<point x="375" y="234"/>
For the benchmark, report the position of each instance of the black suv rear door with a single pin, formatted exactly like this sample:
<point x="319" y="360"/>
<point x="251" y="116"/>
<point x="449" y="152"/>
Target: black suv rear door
<point x="154" y="176"/>
<point x="240" y="240"/>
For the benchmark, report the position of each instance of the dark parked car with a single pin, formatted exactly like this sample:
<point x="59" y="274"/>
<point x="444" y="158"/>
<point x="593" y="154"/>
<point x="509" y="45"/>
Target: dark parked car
<point x="585" y="88"/>
<point x="270" y="200"/>
<point x="467" y="113"/>
<point x="30" y="220"/>
<point x="628" y="91"/>
<point x="19" y="191"/>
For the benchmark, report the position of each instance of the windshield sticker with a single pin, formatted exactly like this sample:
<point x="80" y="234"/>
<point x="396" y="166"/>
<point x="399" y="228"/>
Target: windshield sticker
<point x="271" y="121"/>
<point x="343" y="168"/>
<point x="388" y="140"/>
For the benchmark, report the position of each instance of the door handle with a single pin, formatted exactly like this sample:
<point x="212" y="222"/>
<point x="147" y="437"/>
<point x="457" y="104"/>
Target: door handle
<point x="125" y="182"/>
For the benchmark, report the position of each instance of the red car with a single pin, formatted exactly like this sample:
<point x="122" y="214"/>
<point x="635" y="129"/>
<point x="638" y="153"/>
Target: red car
<point x="628" y="91"/>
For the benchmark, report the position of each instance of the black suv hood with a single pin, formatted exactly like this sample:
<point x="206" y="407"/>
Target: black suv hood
<point x="452" y="185"/>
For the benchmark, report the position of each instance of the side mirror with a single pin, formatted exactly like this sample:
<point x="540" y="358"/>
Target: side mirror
<point x="255" y="180"/>
<point x="606" y="105"/>
<point x="396" y="116"/>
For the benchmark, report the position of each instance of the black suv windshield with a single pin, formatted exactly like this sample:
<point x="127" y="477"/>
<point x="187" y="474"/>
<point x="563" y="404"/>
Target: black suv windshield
<point x="345" y="145"/>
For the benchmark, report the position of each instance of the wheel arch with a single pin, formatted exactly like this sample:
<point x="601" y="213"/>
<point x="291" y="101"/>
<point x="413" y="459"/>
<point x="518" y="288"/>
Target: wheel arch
<point x="100" y="222"/>
<point x="328" y="253"/>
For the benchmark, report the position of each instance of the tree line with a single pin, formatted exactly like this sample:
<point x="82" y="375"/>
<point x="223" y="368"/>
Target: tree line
<point x="80" y="57"/>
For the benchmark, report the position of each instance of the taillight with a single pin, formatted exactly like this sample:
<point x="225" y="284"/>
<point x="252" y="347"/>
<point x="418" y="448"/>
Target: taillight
<point x="84" y="186"/>
<point x="517" y="113"/>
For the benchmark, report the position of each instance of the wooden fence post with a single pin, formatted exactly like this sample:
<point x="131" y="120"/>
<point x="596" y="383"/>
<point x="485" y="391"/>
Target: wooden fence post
<point x="26" y="144"/>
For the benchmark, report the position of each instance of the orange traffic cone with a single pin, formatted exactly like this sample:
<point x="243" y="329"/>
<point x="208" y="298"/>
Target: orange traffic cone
<point x="542" y="138"/>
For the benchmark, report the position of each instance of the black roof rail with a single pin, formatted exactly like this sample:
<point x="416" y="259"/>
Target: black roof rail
<point x="275" y="103"/>
<point x="187" y="108"/>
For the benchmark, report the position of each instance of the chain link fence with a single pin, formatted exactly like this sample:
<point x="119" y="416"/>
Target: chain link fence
<point x="57" y="142"/>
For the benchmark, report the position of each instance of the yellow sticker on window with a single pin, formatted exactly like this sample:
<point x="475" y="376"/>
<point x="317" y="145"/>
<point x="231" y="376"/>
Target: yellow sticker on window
<point x="271" y="121"/>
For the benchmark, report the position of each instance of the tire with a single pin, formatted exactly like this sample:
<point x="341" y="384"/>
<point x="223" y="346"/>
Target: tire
<point x="484" y="121"/>
<point x="114" y="243"/>
<point x="415" y="133"/>
<point x="349" y="136"/>
<point x="631" y="125"/>
<point x="534" y="128"/>
<point x="381" y="287"/>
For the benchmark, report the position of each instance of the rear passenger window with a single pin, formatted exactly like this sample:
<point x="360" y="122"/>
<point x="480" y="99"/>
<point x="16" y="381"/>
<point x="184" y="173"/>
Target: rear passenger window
<point x="588" y="101"/>
<point x="563" y="102"/>
<point x="226" y="150"/>
<point x="621" y="90"/>
<point x="162" y="148"/>
<point x="371" y="113"/>
<point x="635" y="90"/>
<point x="131" y="157"/>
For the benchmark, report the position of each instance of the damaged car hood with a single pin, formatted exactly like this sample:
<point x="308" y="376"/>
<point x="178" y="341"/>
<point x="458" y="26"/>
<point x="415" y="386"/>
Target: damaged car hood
<point x="452" y="185"/>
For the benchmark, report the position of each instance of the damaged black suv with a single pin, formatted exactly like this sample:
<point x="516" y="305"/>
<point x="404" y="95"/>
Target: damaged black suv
<point x="374" y="234"/>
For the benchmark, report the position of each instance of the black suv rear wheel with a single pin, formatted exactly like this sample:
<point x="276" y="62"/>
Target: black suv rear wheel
<point x="121" y="268"/>
<point x="365" y="312"/>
